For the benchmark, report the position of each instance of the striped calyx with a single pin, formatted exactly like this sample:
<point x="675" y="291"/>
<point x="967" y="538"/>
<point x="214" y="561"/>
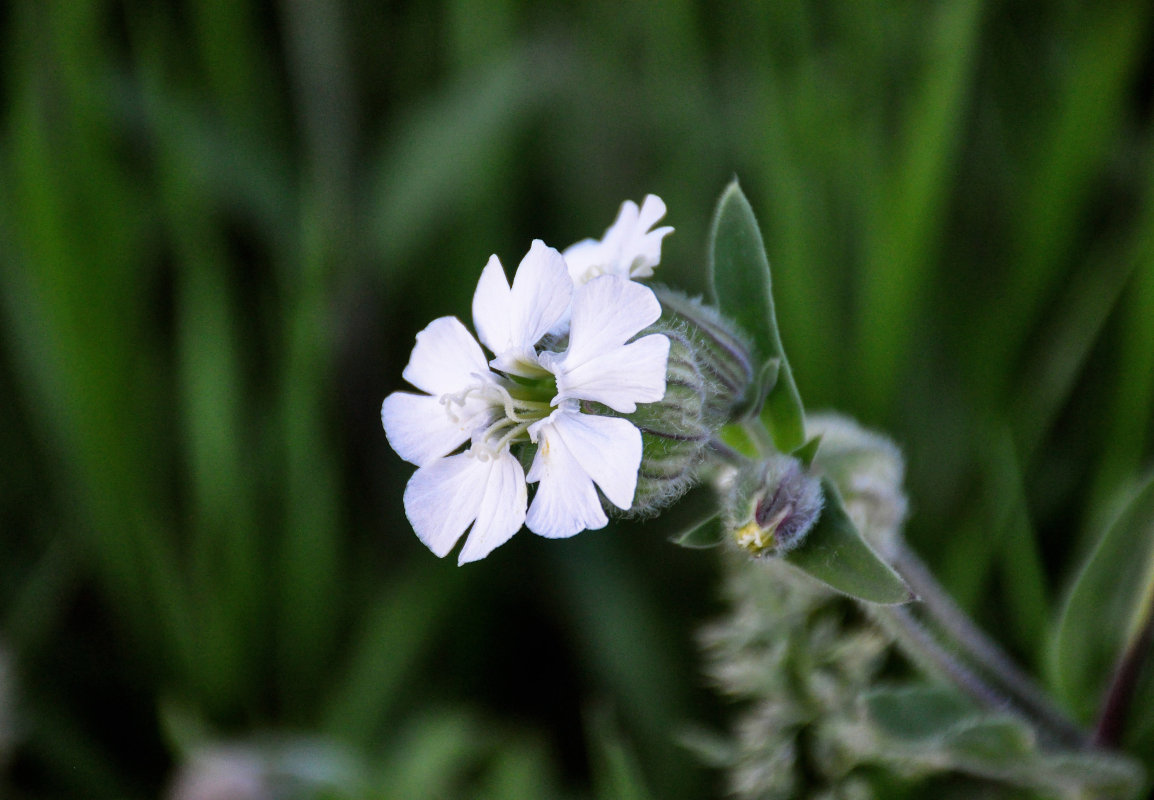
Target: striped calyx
<point x="708" y="377"/>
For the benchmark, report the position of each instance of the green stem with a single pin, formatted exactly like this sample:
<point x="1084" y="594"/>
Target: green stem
<point x="983" y="652"/>
<point x="926" y="652"/>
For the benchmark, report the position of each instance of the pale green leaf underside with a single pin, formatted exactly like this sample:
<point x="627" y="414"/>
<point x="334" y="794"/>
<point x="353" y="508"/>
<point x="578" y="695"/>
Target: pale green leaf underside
<point x="1103" y="605"/>
<point x="709" y="533"/>
<point x="835" y="553"/>
<point x="928" y="729"/>
<point x="742" y="288"/>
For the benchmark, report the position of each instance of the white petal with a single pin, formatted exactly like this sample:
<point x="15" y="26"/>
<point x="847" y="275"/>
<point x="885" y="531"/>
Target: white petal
<point x="620" y="378"/>
<point x="607" y="312"/>
<point x="627" y="249"/>
<point x="652" y="210"/>
<point x="541" y="293"/>
<point x="641" y="251"/>
<point x="491" y="307"/>
<point x="502" y="510"/>
<point x="608" y="449"/>
<point x="585" y="260"/>
<point x="420" y="428"/>
<point x="566" y="502"/>
<point x="510" y="321"/>
<point x="617" y="234"/>
<point x="445" y="359"/>
<point x="443" y="497"/>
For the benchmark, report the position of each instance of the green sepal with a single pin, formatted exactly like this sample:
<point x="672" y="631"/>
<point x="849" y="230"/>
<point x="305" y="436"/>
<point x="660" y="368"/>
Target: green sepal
<point x="742" y="287"/>
<point x="682" y="521"/>
<point x="759" y="390"/>
<point x="740" y="439"/>
<point x="1107" y="602"/>
<point x="835" y="553"/>
<point x="808" y="452"/>
<point x="708" y="534"/>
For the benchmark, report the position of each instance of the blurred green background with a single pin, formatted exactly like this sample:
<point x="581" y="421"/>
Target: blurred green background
<point x="223" y="222"/>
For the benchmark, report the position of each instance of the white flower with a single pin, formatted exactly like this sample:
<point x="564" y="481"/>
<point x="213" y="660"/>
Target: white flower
<point x="628" y="248"/>
<point x="526" y="396"/>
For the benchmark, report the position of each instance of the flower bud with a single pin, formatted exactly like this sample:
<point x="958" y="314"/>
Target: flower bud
<point x="868" y="470"/>
<point x="723" y="355"/>
<point x="771" y="505"/>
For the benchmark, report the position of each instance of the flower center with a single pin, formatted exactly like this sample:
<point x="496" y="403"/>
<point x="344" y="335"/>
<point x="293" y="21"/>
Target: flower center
<point x="519" y="401"/>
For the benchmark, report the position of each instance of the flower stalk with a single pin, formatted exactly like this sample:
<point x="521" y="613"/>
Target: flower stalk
<point x="981" y="651"/>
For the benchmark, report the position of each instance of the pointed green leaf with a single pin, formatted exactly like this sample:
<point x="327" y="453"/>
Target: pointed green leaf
<point x="836" y="554"/>
<point x="681" y="521"/>
<point x="808" y="452"/>
<point x="916" y="712"/>
<point x="1105" y="605"/>
<point x="743" y="289"/>
<point x="708" y="534"/>
<point x="935" y="718"/>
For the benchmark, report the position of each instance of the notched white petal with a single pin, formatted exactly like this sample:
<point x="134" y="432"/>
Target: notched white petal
<point x="584" y="260"/>
<point x="628" y="247"/>
<point x="445" y="359"/>
<point x="542" y="291"/>
<point x="420" y="428"/>
<point x="511" y="319"/>
<point x="444" y="497"/>
<point x="608" y="450"/>
<point x="607" y="312"/>
<point x="642" y="249"/>
<point x="566" y="502"/>
<point x="620" y="378"/>
<point x="502" y="509"/>
<point x="492" y="307"/>
<point x="652" y="210"/>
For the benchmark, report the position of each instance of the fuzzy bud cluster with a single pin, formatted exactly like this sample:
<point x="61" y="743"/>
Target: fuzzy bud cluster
<point x="798" y="657"/>
<point x="868" y="470"/>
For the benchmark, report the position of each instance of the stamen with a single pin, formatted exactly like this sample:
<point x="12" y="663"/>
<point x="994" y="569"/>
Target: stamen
<point x="513" y="425"/>
<point x="516" y="409"/>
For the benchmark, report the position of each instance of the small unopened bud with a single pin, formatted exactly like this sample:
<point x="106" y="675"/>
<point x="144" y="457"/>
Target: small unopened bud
<point x="771" y="505"/>
<point x="868" y="470"/>
<point x="723" y="355"/>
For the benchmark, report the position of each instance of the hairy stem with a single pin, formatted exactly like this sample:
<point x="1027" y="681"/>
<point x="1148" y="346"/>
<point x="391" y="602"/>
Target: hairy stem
<point x="925" y="651"/>
<point x="983" y="652"/>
